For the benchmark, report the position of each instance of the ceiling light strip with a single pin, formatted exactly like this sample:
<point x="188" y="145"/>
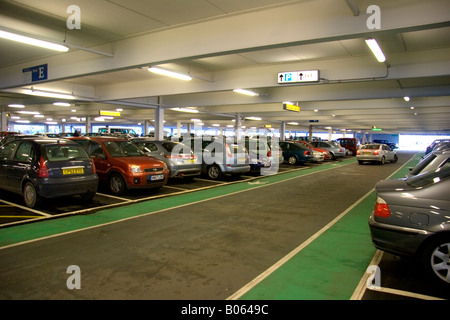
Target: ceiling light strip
<point x="33" y="41"/>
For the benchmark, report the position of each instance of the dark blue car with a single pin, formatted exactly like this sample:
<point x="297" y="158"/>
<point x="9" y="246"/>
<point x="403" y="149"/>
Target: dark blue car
<point x="295" y="153"/>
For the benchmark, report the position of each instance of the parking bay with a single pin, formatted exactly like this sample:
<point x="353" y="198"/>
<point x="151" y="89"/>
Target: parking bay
<point x="202" y="248"/>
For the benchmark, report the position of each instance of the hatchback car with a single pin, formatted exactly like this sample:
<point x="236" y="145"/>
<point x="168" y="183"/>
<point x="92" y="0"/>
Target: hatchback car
<point x="295" y="153"/>
<point x="334" y="148"/>
<point x="179" y="158"/>
<point x="325" y="153"/>
<point x="121" y="165"/>
<point x="39" y="168"/>
<point x="411" y="218"/>
<point x="350" y="144"/>
<point x="220" y="156"/>
<point x="376" y="152"/>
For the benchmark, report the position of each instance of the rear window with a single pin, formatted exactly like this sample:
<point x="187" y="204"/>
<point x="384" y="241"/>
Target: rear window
<point x="65" y="152"/>
<point x="427" y="178"/>
<point x="371" y="146"/>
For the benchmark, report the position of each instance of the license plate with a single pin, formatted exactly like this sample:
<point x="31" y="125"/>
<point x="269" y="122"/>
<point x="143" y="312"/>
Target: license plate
<point x="156" y="177"/>
<point x="367" y="152"/>
<point x="67" y="171"/>
<point x="189" y="161"/>
<point x="241" y="160"/>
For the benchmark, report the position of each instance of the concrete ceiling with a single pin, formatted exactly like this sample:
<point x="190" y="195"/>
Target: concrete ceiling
<point x="232" y="44"/>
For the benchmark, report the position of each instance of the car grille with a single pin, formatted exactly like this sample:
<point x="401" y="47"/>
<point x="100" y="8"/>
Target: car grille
<point x="153" y="169"/>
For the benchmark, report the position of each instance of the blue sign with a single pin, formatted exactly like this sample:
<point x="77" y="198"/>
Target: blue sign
<point x="38" y="73"/>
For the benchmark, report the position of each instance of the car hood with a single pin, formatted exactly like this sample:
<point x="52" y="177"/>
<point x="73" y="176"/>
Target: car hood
<point x="140" y="160"/>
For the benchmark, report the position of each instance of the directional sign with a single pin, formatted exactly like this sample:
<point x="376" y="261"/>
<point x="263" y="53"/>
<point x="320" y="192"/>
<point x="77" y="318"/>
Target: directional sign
<point x="291" y="107"/>
<point x="298" y="76"/>
<point x="36" y="73"/>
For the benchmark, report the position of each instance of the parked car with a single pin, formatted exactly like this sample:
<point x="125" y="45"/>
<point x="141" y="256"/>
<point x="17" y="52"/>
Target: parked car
<point x="411" y="218"/>
<point x="295" y="153"/>
<point x="220" y="156"/>
<point x="376" y="152"/>
<point x="350" y="144"/>
<point x="121" y="165"/>
<point x="334" y="148"/>
<point x="391" y="145"/>
<point x="326" y="153"/>
<point x="434" y="143"/>
<point x="178" y="157"/>
<point x="430" y="162"/>
<point x="39" y="168"/>
<point x="47" y="135"/>
<point x="12" y="137"/>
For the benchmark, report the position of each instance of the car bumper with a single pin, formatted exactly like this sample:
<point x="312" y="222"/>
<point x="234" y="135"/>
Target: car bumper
<point x="232" y="168"/>
<point x="184" y="171"/>
<point x="398" y="240"/>
<point x="60" y="187"/>
<point x="147" y="181"/>
<point x="368" y="158"/>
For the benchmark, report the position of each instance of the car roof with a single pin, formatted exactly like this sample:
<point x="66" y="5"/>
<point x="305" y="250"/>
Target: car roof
<point x="43" y="140"/>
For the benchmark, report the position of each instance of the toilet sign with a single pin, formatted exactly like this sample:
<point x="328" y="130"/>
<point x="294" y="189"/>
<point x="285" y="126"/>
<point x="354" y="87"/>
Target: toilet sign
<point x="298" y="76"/>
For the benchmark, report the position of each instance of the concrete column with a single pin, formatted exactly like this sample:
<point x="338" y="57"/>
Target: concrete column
<point x="159" y="121"/>
<point x="178" y="129"/>
<point x="88" y="125"/>
<point x="330" y="132"/>
<point x="283" y="131"/>
<point x="237" y="126"/>
<point x="4" y="122"/>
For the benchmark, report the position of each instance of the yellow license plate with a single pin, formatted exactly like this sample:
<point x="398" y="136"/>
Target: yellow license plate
<point x="73" y="171"/>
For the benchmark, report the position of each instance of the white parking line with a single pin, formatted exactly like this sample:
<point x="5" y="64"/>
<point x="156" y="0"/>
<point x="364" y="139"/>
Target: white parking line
<point x="26" y="208"/>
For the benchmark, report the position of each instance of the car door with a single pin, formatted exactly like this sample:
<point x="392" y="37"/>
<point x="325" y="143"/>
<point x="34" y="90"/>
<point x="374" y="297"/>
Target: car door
<point x="388" y="152"/>
<point x="20" y="165"/>
<point x="6" y="152"/>
<point x="95" y="150"/>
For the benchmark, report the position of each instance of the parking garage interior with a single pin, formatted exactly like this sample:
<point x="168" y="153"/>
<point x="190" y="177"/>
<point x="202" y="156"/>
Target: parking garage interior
<point x="304" y="70"/>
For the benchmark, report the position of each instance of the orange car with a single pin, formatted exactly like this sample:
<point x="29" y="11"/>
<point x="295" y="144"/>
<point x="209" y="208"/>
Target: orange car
<point x="121" y="165"/>
<point x="326" y="153"/>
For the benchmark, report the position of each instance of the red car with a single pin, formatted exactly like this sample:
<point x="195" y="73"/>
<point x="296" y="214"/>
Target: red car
<point x="326" y="153"/>
<point x="121" y="165"/>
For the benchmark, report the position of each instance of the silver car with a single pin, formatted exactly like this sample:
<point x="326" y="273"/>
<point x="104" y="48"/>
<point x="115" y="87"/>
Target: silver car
<point x="431" y="161"/>
<point x="376" y="152"/>
<point x="412" y="218"/>
<point x="179" y="158"/>
<point x="333" y="147"/>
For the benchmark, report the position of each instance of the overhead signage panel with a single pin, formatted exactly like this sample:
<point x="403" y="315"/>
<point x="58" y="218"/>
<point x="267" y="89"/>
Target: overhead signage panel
<point x="298" y="76"/>
<point x="291" y="107"/>
<point x="109" y="113"/>
<point x="36" y="73"/>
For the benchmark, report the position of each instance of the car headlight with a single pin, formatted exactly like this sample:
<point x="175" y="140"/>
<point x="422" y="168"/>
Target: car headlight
<point x="136" y="169"/>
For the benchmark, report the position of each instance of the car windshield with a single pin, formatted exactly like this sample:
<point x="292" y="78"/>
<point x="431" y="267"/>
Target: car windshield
<point x="123" y="149"/>
<point x="428" y="178"/>
<point x="334" y="144"/>
<point x="65" y="152"/>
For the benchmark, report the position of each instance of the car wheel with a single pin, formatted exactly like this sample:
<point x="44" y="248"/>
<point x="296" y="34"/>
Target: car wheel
<point x="88" y="196"/>
<point x="332" y="156"/>
<point x="117" y="184"/>
<point x="383" y="161"/>
<point x="30" y="195"/>
<point x="292" y="160"/>
<point x="214" y="172"/>
<point x="436" y="259"/>
<point x="395" y="159"/>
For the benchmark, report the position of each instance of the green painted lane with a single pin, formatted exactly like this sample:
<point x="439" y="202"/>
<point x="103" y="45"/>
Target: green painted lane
<point x="331" y="266"/>
<point x="46" y="228"/>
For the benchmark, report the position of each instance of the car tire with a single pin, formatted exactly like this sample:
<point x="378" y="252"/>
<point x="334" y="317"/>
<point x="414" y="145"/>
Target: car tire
<point x="30" y="195"/>
<point x="292" y="160"/>
<point x="383" y="160"/>
<point x="436" y="260"/>
<point x="88" y="196"/>
<point x="117" y="184"/>
<point x="395" y="159"/>
<point x="214" y="172"/>
<point x="332" y="156"/>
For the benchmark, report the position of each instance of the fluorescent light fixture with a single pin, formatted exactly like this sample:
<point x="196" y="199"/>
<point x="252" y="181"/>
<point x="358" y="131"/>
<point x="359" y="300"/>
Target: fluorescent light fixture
<point x="51" y="122"/>
<point x="61" y="104"/>
<point x="39" y="116"/>
<point x="376" y="50"/>
<point x="246" y="92"/>
<point x="196" y="120"/>
<point x="28" y="112"/>
<point x="33" y="41"/>
<point x="406" y="99"/>
<point x="185" y="110"/>
<point x="253" y="118"/>
<point x="49" y="94"/>
<point x="16" y="105"/>
<point x="293" y="123"/>
<point x="170" y="73"/>
<point x="22" y="121"/>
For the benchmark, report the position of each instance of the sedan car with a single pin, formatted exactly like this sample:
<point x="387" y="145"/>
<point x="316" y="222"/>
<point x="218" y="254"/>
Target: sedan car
<point x="220" y="156"/>
<point x="376" y="152"/>
<point x="179" y="158"/>
<point x="121" y="165"/>
<point x="334" y="148"/>
<point x="411" y="218"/>
<point x="430" y="162"/>
<point x="40" y="168"/>
<point x="325" y="153"/>
<point x="295" y="153"/>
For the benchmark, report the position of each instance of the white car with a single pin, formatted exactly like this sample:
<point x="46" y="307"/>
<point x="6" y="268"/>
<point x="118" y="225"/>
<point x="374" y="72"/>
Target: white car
<point x="375" y="152"/>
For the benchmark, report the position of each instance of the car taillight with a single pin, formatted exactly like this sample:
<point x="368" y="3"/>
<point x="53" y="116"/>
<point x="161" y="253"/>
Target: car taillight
<point x="376" y="152"/>
<point x="358" y="152"/>
<point x="93" y="167"/>
<point x="306" y="153"/>
<point x="269" y="153"/>
<point x="381" y="208"/>
<point x="228" y="150"/>
<point x="43" y="170"/>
